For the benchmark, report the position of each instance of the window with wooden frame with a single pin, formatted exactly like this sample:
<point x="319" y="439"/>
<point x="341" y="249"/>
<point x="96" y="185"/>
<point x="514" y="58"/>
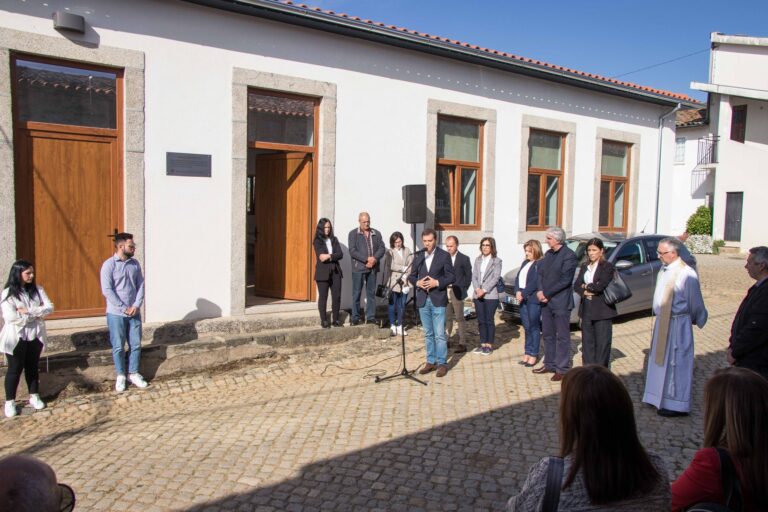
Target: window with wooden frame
<point x="459" y="173"/>
<point x="614" y="186"/>
<point x="739" y="123"/>
<point x="546" y="160"/>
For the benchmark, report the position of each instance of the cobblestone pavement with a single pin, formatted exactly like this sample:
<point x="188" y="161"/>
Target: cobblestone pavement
<point x="312" y="431"/>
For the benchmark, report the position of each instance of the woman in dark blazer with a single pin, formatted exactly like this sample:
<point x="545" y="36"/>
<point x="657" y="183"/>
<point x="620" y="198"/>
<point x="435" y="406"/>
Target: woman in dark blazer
<point x="526" y="284"/>
<point x="327" y="271"/>
<point x="596" y="316"/>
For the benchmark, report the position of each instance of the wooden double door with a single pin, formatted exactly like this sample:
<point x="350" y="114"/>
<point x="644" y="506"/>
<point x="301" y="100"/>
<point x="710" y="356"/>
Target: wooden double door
<point x="283" y="206"/>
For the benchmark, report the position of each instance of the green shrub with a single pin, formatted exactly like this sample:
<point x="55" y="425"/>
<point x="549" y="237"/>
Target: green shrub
<point x="716" y="245"/>
<point x="700" y="223"/>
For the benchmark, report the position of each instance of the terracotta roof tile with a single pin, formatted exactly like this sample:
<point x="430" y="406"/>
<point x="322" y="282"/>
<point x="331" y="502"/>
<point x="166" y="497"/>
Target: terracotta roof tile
<point x="661" y="92"/>
<point x="692" y="117"/>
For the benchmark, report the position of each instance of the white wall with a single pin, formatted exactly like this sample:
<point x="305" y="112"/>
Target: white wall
<point x="743" y="167"/>
<point x="381" y="133"/>
<point x="740" y="65"/>
<point x="691" y="185"/>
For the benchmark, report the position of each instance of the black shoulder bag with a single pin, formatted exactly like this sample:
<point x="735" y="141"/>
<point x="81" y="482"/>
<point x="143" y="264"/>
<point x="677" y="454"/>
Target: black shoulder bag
<point x="616" y="291"/>
<point x="554" y="483"/>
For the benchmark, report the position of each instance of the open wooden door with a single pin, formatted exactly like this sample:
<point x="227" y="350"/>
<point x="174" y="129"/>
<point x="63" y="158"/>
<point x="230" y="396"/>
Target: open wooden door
<point x="284" y="230"/>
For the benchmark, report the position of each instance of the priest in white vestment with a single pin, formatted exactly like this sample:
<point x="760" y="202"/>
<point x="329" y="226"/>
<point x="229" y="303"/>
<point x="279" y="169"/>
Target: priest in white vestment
<point x="678" y="305"/>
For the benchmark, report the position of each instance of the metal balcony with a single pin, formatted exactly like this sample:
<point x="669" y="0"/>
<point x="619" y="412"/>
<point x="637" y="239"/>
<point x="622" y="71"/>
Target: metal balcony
<point x="707" y="156"/>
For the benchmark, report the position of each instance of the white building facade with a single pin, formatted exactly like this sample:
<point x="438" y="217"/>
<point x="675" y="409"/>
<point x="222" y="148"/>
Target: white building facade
<point x="738" y="119"/>
<point x="228" y="129"/>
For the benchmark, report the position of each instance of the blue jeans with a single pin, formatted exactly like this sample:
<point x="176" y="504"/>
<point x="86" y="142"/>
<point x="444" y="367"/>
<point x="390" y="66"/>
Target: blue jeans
<point x="530" y="315"/>
<point x="396" y="308"/>
<point x="122" y="329"/>
<point x="433" y="320"/>
<point x="370" y="294"/>
<point x="486" y="319"/>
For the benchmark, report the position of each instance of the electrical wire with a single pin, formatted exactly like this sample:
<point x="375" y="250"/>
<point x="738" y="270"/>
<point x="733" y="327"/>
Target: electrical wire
<point x="661" y="63"/>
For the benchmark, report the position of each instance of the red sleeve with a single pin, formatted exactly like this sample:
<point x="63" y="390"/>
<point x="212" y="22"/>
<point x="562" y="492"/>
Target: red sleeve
<point x="700" y="482"/>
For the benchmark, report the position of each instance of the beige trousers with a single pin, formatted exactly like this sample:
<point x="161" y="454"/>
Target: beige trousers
<point x="455" y="309"/>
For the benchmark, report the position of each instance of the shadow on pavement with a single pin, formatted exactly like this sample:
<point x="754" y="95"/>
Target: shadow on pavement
<point x="475" y="463"/>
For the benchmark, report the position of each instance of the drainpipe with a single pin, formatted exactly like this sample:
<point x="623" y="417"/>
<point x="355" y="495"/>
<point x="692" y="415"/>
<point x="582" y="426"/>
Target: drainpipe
<point x="658" y="170"/>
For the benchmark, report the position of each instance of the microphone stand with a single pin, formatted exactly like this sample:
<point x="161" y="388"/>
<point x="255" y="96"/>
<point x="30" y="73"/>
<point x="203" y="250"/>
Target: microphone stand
<point x="404" y="372"/>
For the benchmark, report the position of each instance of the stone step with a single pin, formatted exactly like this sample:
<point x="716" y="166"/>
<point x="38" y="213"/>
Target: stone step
<point x="67" y="340"/>
<point x="91" y="368"/>
<point x="729" y="250"/>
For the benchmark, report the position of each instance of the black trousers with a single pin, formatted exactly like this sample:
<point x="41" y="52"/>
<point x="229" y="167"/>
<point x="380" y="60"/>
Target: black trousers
<point x="334" y="284"/>
<point x="596" y="341"/>
<point x="556" y="332"/>
<point x="26" y="357"/>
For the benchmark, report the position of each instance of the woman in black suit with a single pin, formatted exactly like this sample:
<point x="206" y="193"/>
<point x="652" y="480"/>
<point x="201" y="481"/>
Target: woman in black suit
<point x="596" y="316"/>
<point x="327" y="271"/>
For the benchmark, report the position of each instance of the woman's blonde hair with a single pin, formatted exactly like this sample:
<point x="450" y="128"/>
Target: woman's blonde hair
<point x="535" y="246"/>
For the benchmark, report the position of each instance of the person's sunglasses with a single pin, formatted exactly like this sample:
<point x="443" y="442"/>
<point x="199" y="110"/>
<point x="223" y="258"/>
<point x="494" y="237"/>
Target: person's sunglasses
<point x="67" y="503"/>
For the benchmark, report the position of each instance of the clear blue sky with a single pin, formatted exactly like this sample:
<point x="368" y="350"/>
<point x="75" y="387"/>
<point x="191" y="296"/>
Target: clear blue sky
<point x="597" y="36"/>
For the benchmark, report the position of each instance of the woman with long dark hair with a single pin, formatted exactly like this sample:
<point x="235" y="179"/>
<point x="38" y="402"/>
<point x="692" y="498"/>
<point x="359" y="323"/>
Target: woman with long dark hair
<point x="604" y="465"/>
<point x="735" y="419"/>
<point x="396" y="268"/>
<point x="327" y="271"/>
<point x="596" y="316"/>
<point x="24" y="305"/>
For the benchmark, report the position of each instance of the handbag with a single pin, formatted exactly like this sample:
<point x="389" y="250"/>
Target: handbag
<point x="616" y="291"/>
<point x="551" y="499"/>
<point x="500" y="285"/>
<point x="382" y="291"/>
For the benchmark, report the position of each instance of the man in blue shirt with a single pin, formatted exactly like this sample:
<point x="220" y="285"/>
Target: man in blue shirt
<point x="122" y="283"/>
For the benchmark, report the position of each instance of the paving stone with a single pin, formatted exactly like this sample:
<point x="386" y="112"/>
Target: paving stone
<point x="313" y="431"/>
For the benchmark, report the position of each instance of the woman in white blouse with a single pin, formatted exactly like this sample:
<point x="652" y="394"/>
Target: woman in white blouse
<point x="24" y="305"/>
<point x="485" y="276"/>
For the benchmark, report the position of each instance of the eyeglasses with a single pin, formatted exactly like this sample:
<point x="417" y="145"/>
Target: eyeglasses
<point x="67" y="503"/>
<point x="663" y="253"/>
<point x="485" y="245"/>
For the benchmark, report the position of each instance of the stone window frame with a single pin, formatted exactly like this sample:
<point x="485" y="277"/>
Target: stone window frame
<point x="633" y="139"/>
<point x="568" y="129"/>
<point x="132" y="62"/>
<point x="487" y="116"/>
<point x="325" y="164"/>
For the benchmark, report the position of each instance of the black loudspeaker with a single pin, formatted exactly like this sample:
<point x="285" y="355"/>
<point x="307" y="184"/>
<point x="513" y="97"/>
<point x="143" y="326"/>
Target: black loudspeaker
<point x="414" y="204"/>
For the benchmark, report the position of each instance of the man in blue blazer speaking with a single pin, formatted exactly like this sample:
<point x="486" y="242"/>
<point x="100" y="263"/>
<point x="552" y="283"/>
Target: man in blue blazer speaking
<point x="432" y="273"/>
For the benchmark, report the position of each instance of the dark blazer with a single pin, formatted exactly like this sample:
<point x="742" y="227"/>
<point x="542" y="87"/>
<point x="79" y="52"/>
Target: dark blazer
<point x="749" y="331"/>
<point x="531" y="282"/>
<point x="358" y="249"/>
<point x="595" y="308"/>
<point x="324" y="269"/>
<point x="462" y="270"/>
<point x="555" y="278"/>
<point x="441" y="269"/>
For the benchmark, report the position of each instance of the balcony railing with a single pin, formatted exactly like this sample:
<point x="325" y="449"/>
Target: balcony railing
<point x="707" y="151"/>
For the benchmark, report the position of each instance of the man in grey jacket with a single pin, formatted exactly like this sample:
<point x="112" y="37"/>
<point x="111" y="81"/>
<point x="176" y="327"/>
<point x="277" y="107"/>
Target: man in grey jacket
<point x="366" y="248"/>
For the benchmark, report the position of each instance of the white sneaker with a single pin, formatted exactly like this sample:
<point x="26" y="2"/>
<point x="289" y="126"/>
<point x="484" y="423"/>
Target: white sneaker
<point x="137" y="380"/>
<point x="403" y="331"/>
<point x="34" y="401"/>
<point x="393" y="331"/>
<point x="10" y="409"/>
<point x="120" y="383"/>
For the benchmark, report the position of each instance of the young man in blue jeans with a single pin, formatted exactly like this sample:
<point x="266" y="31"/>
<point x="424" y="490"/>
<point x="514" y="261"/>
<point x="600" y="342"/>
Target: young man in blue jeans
<point x="122" y="283"/>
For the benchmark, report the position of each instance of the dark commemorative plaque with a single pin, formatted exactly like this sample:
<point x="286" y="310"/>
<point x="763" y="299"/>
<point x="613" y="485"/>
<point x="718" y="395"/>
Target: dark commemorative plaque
<point x="188" y="164"/>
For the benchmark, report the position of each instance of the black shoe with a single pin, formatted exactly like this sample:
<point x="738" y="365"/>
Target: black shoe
<point x="325" y="324"/>
<point x="370" y="320"/>
<point x="670" y="414"/>
<point x="337" y="324"/>
<point x="355" y="322"/>
<point x="460" y="349"/>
